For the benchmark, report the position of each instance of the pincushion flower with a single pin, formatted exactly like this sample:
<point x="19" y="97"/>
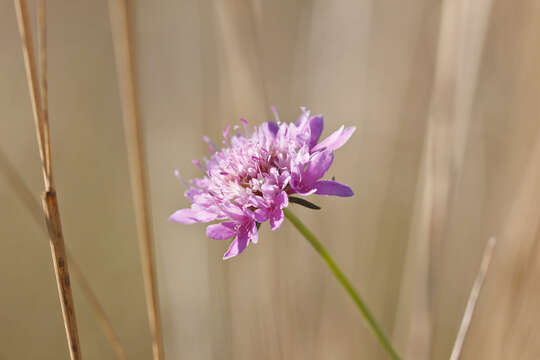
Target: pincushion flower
<point x="252" y="179"/>
<point x="249" y="181"/>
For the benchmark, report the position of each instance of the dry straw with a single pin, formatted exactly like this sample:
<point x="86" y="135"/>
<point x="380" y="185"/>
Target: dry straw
<point x="459" y="48"/>
<point x="124" y="68"/>
<point x="473" y="298"/>
<point x="50" y="201"/>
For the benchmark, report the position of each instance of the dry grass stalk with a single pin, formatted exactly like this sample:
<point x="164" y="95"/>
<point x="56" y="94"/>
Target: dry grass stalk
<point x="124" y="67"/>
<point x="43" y="85"/>
<point x="434" y="186"/>
<point x="100" y="312"/>
<point x="26" y="197"/>
<point x="473" y="298"/>
<point x="50" y="201"/>
<point x="458" y="55"/>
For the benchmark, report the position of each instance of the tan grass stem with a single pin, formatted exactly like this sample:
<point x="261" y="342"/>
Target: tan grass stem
<point x="50" y="200"/>
<point x="100" y="312"/>
<point x="43" y="86"/>
<point x="473" y="298"/>
<point x="24" y="194"/>
<point x="462" y="30"/>
<point x="124" y="69"/>
<point x="21" y="9"/>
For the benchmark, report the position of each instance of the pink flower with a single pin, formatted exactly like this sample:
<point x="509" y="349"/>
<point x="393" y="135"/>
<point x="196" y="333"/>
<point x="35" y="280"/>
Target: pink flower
<point x="249" y="180"/>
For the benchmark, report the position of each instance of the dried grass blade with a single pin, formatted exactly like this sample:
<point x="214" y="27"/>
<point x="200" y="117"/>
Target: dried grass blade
<point x="50" y="200"/>
<point x="124" y="68"/>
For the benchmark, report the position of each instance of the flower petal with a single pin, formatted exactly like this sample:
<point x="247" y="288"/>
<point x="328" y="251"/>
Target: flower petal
<point x="329" y="187"/>
<point x="316" y="125"/>
<point x="302" y="119"/>
<point x="184" y="216"/>
<point x="276" y="218"/>
<point x="281" y="200"/>
<point x="222" y="231"/>
<point x="254" y="236"/>
<point x="318" y="165"/>
<point x="336" y="140"/>
<point x="238" y="245"/>
<point x="305" y="193"/>
<point x="270" y="128"/>
<point x="193" y="215"/>
<point x="260" y="215"/>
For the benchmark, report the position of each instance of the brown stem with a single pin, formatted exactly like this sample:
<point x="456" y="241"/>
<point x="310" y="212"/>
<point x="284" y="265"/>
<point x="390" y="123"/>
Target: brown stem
<point x="126" y="83"/>
<point x="50" y="201"/>
<point x="52" y="217"/>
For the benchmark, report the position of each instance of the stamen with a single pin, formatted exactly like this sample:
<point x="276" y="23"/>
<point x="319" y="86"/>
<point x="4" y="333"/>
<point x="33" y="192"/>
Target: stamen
<point x="211" y="146"/>
<point x="179" y="177"/>
<point x="198" y="164"/>
<point x="275" y="112"/>
<point x="246" y="129"/>
<point x="226" y="132"/>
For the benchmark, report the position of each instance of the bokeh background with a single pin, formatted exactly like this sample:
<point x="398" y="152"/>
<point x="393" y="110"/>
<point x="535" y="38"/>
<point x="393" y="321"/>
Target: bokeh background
<point x="445" y="97"/>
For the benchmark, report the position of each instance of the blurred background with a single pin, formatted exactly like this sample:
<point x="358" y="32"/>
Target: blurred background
<point x="445" y="97"/>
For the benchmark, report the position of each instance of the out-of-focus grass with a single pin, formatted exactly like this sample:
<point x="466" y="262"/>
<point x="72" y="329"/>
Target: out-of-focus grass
<point x="201" y="65"/>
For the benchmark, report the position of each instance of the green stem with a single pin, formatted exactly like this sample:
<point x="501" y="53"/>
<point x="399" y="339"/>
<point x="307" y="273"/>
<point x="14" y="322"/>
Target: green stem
<point x="344" y="281"/>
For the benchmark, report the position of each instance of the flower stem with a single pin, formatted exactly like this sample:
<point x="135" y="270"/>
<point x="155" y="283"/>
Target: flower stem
<point x="344" y="281"/>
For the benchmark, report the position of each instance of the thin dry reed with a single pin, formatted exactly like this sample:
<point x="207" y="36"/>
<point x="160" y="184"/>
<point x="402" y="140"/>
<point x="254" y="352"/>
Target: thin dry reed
<point x="100" y="312"/>
<point x="473" y="298"/>
<point x="50" y="201"/>
<point x="25" y="196"/>
<point x="431" y="214"/>
<point x="456" y="69"/>
<point x="124" y="68"/>
<point x="42" y="46"/>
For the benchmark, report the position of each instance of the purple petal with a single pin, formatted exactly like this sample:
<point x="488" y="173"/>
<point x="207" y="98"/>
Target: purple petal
<point x="316" y="125"/>
<point x="336" y="140"/>
<point x="260" y="215"/>
<point x="305" y="192"/>
<point x="303" y="118"/>
<point x="193" y="193"/>
<point x="238" y="245"/>
<point x="233" y="212"/>
<point x="192" y="216"/>
<point x="281" y="200"/>
<point x="272" y="127"/>
<point x="222" y="231"/>
<point x="184" y="216"/>
<point x="329" y="187"/>
<point x="202" y="213"/>
<point x="268" y="190"/>
<point x="318" y="165"/>
<point x="276" y="219"/>
<point x="254" y="236"/>
<point x="308" y="192"/>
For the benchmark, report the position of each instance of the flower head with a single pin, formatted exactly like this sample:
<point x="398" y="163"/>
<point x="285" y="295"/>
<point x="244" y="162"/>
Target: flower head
<point x="249" y="180"/>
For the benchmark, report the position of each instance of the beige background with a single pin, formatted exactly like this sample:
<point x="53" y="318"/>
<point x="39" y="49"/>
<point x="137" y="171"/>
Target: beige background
<point x="471" y="91"/>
